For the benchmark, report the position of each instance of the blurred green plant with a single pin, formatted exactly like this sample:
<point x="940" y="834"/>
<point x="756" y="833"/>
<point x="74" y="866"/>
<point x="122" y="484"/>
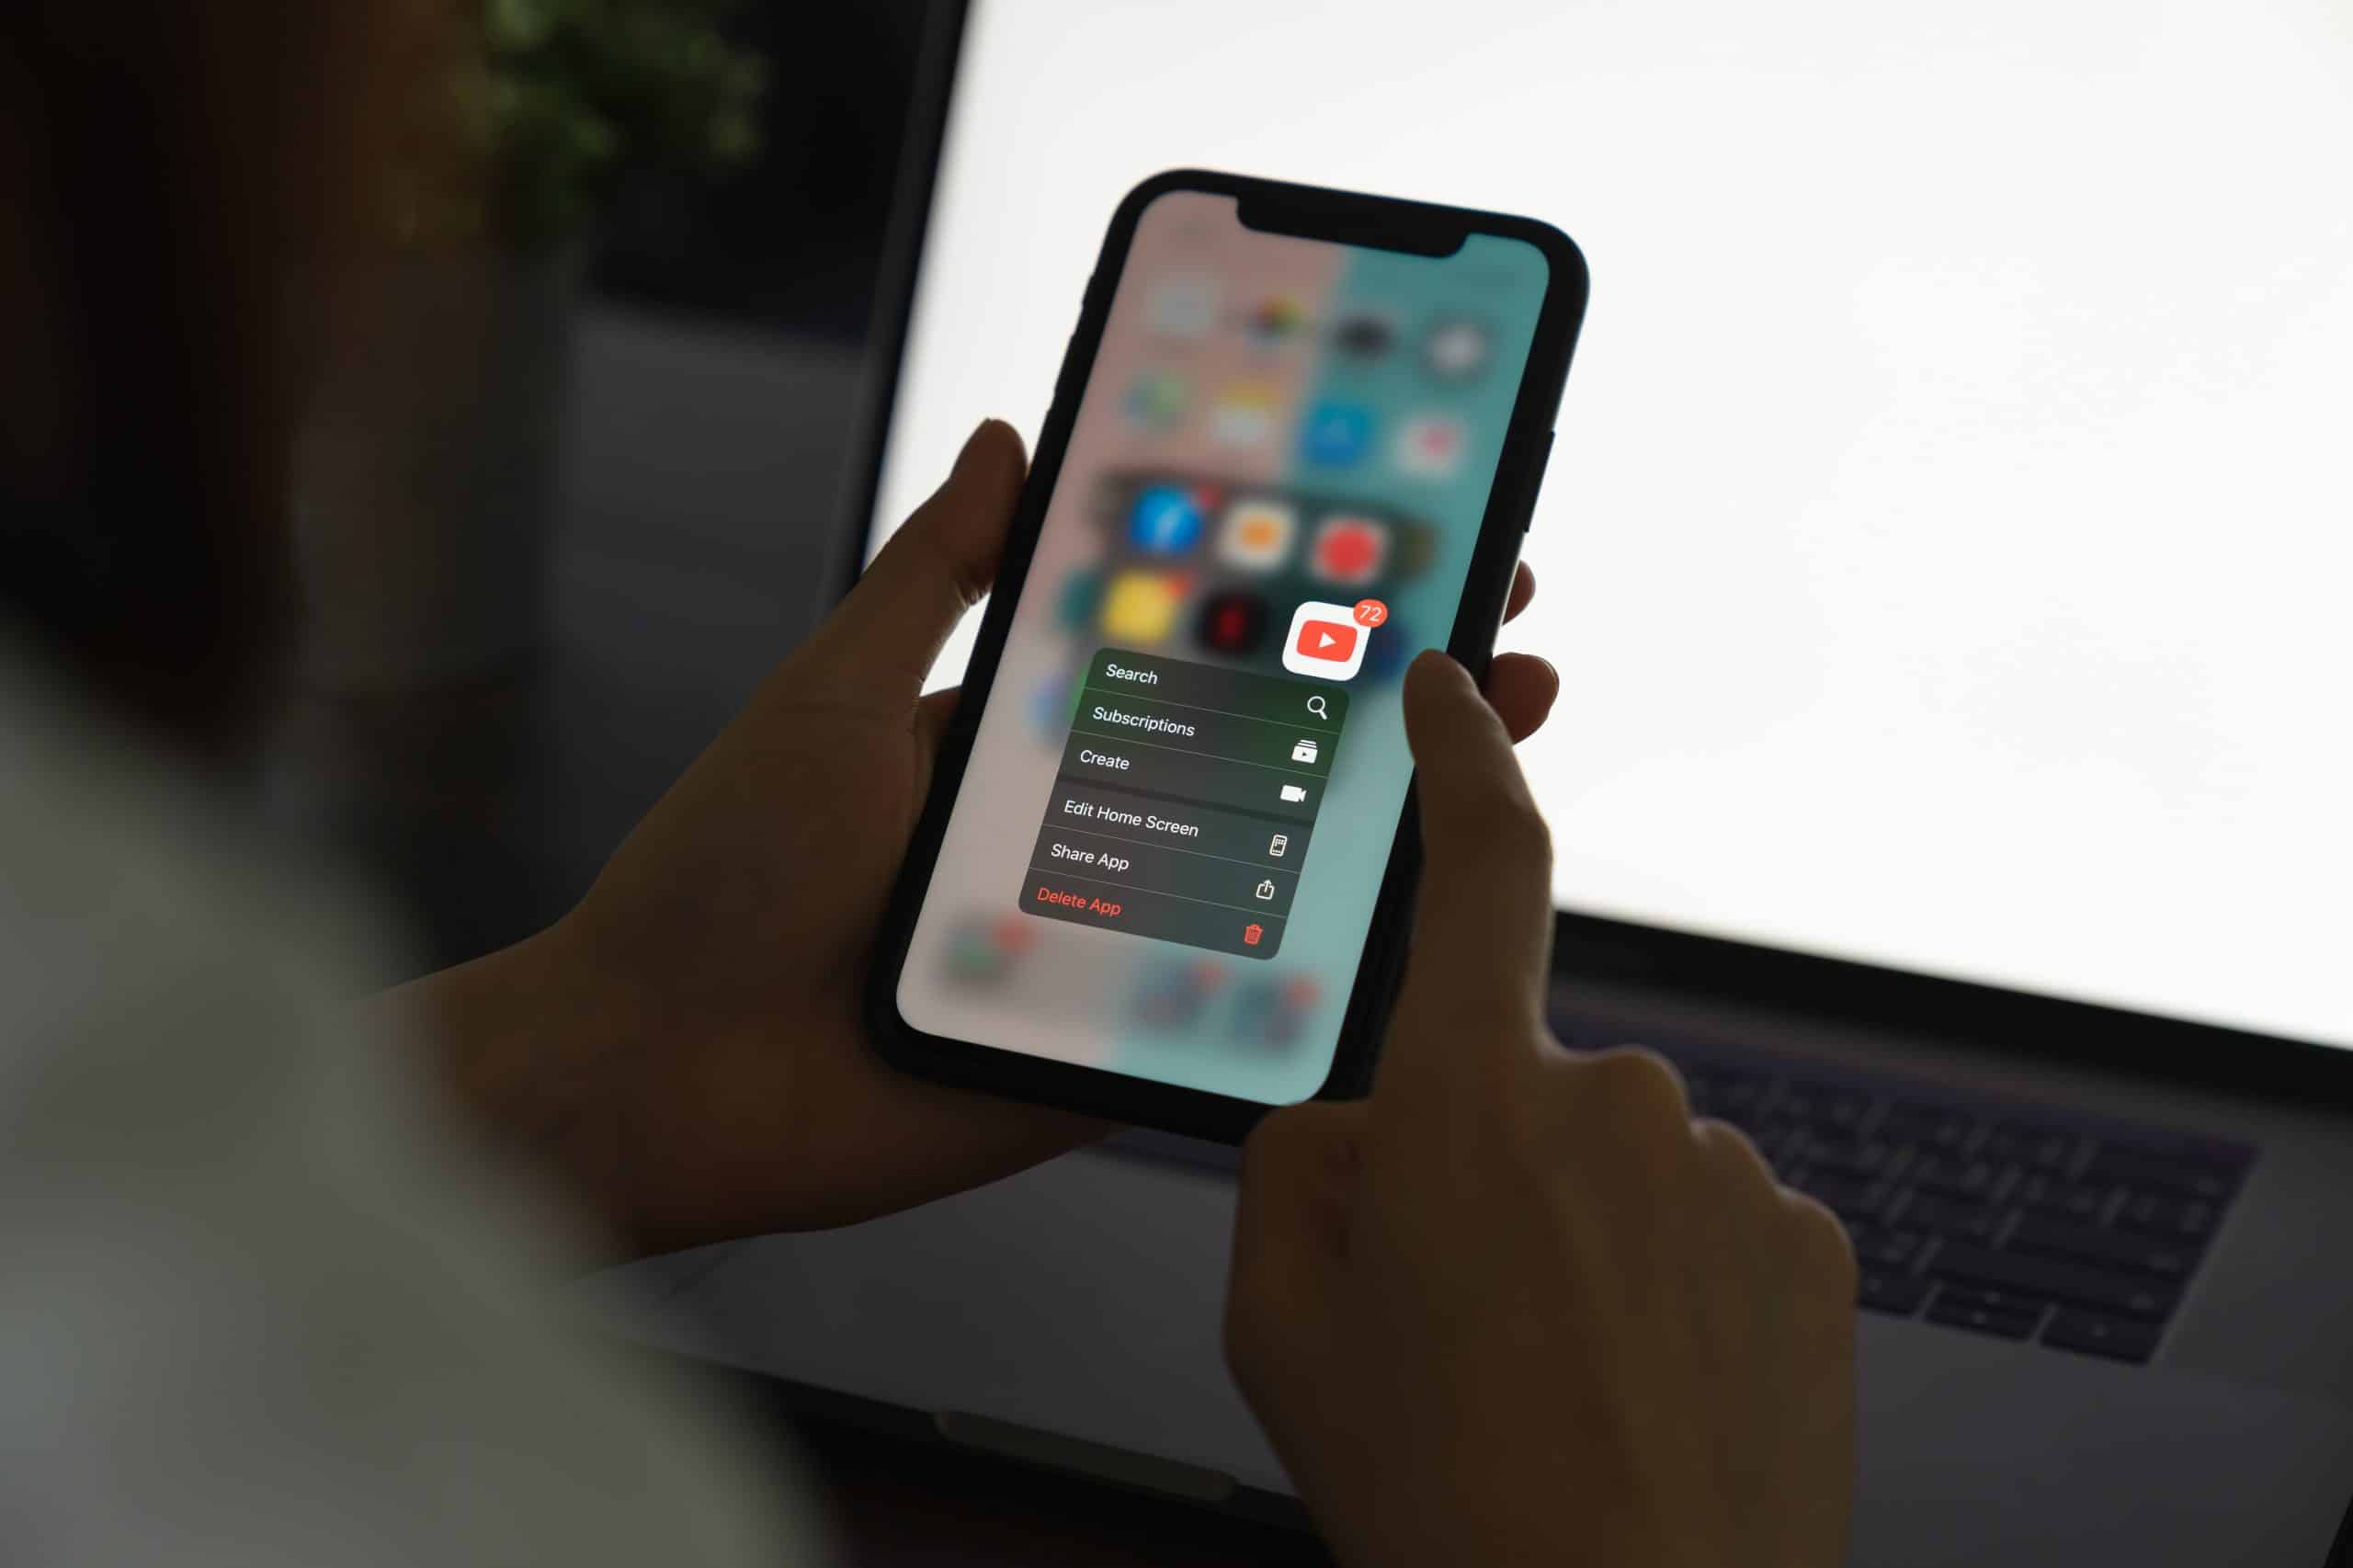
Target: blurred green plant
<point x="532" y="111"/>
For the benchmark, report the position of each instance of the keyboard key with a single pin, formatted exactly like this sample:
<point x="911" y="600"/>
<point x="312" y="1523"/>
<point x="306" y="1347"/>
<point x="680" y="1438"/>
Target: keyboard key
<point x="2070" y="1199"/>
<point x="1848" y="1157"/>
<point x="1950" y="1176"/>
<point x="1877" y="1248"/>
<point x="2161" y="1214"/>
<point x="2115" y="1249"/>
<point x="1886" y="1292"/>
<point x="2090" y="1332"/>
<point x="1933" y="1127"/>
<point x="2033" y="1146"/>
<point x="1960" y="1312"/>
<point x="2031" y="1276"/>
<point x="1846" y="1197"/>
<point x="2122" y="1165"/>
<point x="1943" y="1217"/>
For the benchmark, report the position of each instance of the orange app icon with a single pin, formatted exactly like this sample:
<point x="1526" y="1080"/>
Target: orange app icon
<point x="1256" y="534"/>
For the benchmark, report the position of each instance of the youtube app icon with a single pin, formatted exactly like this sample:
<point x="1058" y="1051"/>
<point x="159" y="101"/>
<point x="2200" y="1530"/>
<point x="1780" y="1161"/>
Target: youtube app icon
<point x="1324" y="641"/>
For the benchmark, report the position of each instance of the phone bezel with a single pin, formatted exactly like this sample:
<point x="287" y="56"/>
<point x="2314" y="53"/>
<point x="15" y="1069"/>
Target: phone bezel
<point x="1349" y="218"/>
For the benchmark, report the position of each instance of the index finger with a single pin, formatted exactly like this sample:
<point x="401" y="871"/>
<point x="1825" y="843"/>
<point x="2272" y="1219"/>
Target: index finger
<point x="1482" y="935"/>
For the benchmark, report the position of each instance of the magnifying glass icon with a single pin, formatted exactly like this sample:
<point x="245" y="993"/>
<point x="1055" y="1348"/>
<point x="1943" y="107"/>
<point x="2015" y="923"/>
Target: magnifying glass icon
<point x="1315" y="706"/>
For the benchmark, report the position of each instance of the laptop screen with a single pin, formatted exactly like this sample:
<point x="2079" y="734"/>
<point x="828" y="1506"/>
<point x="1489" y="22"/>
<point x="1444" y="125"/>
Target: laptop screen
<point x="1946" y="547"/>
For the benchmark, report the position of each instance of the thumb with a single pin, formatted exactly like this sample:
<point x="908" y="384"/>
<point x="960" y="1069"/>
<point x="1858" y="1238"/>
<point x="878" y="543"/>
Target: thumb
<point x="938" y="565"/>
<point x="1290" y="1236"/>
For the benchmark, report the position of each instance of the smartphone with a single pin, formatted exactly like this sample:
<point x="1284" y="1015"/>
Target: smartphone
<point x="1165" y="869"/>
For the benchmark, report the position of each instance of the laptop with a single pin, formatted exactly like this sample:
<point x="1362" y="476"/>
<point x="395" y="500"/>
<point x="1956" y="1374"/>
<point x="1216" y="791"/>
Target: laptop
<point x="1942" y="552"/>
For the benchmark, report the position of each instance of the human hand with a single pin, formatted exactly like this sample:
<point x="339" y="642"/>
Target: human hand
<point x="685" y="1049"/>
<point x="1517" y="1306"/>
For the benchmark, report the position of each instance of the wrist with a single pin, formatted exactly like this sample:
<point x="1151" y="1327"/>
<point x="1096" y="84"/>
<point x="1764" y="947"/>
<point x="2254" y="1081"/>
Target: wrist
<point x="528" y="1046"/>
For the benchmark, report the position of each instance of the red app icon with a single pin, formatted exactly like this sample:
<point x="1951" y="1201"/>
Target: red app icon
<point x="1350" y="550"/>
<point x="1333" y="639"/>
<point x="1252" y="933"/>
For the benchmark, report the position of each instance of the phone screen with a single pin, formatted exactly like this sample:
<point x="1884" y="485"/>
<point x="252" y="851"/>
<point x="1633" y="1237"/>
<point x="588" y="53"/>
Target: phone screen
<point x="1182" y="793"/>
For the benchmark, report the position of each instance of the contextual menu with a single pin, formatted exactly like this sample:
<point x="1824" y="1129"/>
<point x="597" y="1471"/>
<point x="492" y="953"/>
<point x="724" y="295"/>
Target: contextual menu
<point x="1184" y="801"/>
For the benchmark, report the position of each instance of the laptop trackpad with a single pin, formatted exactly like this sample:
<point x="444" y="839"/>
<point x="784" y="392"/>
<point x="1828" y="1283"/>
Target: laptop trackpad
<point x="1979" y="1451"/>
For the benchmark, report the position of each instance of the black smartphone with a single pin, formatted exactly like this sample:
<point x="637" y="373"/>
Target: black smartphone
<point x="1165" y="869"/>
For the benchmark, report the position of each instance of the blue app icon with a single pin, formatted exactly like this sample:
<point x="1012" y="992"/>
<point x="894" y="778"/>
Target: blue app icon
<point x="1336" y="434"/>
<point x="1166" y="520"/>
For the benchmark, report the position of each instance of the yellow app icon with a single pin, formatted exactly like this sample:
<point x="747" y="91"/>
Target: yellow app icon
<point x="1141" y="607"/>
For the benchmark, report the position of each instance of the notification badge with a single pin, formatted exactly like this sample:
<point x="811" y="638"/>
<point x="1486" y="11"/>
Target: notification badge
<point x="1325" y="642"/>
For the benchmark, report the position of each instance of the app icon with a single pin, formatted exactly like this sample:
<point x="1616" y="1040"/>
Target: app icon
<point x="1294" y="794"/>
<point x="1140" y="606"/>
<point x="1171" y="995"/>
<point x="1390" y="653"/>
<point x="1303" y="750"/>
<point x="1233" y="623"/>
<point x="1272" y="1011"/>
<point x="1430" y="446"/>
<point x="1256" y="534"/>
<point x="1455" y="349"/>
<point x="1253" y="933"/>
<point x="1266" y="888"/>
<point x="1324" y="641"/>
<point x="982" y="951"/>
<point x="1274" y="320"/>
<point x="1182" y="306"/>
<point x="1279" y="845"/>
<point x="1336" y="434"/>
<point x="1165" y="519"/>
<point x="1155" y="401"/>
<point x="1052" y="701"/>
<point x="1348" y="550"/>
<point x="1243" y="415"/>
<point x="1081" y="597"/>
<point x="1363" y="336"/>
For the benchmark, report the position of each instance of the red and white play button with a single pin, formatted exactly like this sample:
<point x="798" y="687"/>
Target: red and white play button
<point x="1326" y="641"/>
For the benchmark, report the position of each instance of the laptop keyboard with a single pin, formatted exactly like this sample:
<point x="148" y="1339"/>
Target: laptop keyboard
<point x="2008" y="1218"/>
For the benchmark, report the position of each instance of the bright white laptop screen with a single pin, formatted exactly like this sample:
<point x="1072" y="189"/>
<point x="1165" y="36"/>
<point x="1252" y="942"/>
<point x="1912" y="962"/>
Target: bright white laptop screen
<point x="1948" y="547"/>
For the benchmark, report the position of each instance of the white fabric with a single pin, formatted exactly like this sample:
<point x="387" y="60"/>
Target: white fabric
<point x="255" y="1305"/>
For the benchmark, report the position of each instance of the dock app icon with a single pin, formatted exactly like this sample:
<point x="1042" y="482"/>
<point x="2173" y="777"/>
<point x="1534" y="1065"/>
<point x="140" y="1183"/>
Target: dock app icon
<point x="1325" y="642"/>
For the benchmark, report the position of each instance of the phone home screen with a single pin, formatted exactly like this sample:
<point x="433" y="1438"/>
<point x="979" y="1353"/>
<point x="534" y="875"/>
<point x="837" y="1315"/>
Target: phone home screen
<point x="1181" y="796"/>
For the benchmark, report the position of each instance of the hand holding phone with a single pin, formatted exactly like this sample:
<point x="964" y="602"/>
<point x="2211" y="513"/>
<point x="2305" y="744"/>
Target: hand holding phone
<point x="1517" y="1306"/>
<point x="1164" y="870"/>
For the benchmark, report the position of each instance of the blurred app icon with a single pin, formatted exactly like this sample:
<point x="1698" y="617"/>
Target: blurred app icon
<point x="1336" y="434"/>
<point x="1348" y="550"/>
<point x="1081" y="598"/>
<point x="983" y="950"/>
<point x="1155" y="401"/>
<point x="1273" y="1009"/>
<point x="1363" y="336"/>
<point x="1165" y="519"/>
<point x="1294" y="794"/>
<point x="1323" y="643"/>
<point x="1182" y="306"/>
<point x="1243" y="415"/>
<point x="1170" y="994"/>
<point x="1386" y="656"/>
<point x="1274" y="321"/>
<point x="1140" y="606"/>
<point x="1430" y="446"/>
<point x="1256" y="534"/>
<point x="1051" y="702"/>
<point x="1233" y="623"/>
<point x="1455" y="349"/>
